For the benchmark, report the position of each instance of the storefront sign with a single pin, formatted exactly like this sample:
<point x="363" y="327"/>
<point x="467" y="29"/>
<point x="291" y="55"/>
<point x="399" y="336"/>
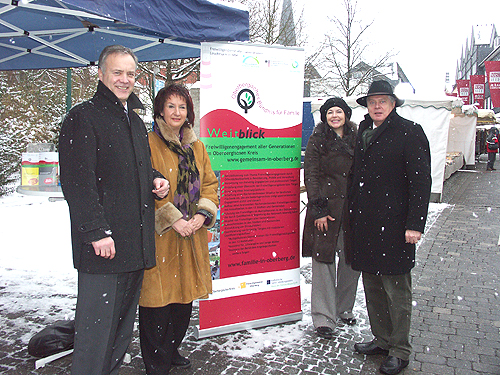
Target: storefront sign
<point x="463" y="88"/>
<point x="493" y="77"/>
<point x="477" y="84"/>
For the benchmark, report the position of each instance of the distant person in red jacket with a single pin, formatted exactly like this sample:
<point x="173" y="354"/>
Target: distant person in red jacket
<point x="492" y="148"/>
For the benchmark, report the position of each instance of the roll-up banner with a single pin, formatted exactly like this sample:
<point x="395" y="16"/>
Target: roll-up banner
<point x="251" y="125"/>
<point x="493" y="76"/>
<point x="463" y="88"/>
<point x="477" y="85"/>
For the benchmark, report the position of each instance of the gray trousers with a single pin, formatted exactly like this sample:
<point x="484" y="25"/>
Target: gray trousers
<point x="389" y="304"/>
<point x="105" y="313"/>
<point x="333" y="290"/>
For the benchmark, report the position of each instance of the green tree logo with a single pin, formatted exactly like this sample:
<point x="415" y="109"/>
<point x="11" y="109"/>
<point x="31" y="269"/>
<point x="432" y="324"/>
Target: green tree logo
<point x="246" y="99"/>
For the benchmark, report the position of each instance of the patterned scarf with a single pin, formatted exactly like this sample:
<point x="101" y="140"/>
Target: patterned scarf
<point x="187" y="194"/>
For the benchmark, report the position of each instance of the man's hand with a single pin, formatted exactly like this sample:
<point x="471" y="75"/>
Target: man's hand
<point x="161" y="187"/>
<point x="412" y="236"/>
<point x="105" y="248"/>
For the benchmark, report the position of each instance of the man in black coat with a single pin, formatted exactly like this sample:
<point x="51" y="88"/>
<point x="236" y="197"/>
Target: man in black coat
<point x="109" y="184"/>
<point x="388" y="203"/>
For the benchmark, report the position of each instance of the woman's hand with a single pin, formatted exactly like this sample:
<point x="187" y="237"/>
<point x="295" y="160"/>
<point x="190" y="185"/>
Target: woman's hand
<point x="322" y="223"/>
<point x="183" y="227"/>
<point x="197" y="222"/>
<point x="161" y="187"/>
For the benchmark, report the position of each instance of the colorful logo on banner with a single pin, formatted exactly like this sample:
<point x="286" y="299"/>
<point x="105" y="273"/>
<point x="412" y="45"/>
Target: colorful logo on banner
<point x="477" y="84"/>
<point x="463" y="88"/>
<point x="246" y="99"/>
<point x="493" y="77"/>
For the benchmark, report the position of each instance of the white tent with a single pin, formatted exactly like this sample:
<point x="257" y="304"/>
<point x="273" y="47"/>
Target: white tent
<point x="446" y="132"/>
<point x="462" y="137"/>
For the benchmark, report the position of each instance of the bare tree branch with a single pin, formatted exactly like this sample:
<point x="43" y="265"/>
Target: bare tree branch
<point x="276" y="22"/>
<point x="345" y="54"/>
<point x="169" y="71"/>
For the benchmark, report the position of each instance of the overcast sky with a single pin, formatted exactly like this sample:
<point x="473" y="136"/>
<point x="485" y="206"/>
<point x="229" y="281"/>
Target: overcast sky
<point x="428" y="34"/>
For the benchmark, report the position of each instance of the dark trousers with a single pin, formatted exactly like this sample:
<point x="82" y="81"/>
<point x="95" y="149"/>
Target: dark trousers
<point x="161" y="331"/>
<point x="491" y="160"/>
<point x="389" y="304"/>
<point x="105" y="313"/>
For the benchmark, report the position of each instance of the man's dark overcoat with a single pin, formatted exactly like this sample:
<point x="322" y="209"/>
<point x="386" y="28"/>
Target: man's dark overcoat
<point x="327" y="164"/>
<point x="107" y="180"/>
<point x="389" y="194"/>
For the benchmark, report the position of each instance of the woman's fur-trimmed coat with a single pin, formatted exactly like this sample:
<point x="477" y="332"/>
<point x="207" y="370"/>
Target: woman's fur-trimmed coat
<point x="182" y="271"/>
<point x="327" y="165"/>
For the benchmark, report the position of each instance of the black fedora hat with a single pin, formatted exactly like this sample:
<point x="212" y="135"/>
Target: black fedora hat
<point x="379" y="88"/>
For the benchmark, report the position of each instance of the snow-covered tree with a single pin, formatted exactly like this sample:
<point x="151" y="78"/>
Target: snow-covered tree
<point x="32" y="106"/>
<point x="83" y="84"/>
<point x="169" y="71"/>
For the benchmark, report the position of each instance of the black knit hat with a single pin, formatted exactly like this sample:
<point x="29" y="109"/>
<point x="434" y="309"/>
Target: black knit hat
<point x="380" y="88"/>
<point x="335" y="102"/>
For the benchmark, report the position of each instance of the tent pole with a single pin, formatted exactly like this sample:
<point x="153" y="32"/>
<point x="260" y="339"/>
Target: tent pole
<point x="153" y="86"/>
<point x="68" y="89"/>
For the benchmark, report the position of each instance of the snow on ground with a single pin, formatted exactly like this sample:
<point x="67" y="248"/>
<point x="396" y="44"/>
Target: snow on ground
<point x="36" y="269"/>
<point x="38" y="282"/>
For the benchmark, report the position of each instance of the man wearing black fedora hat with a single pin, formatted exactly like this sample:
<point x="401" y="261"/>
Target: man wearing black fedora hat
<point x="388" y="202"/>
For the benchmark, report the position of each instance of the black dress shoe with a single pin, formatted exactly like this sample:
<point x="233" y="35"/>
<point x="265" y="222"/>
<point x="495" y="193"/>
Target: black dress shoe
<point x="180" y="361"/>
<point x="370" y="348"/>
<point x="393" y="365"/>
<point x="349" y="321"/>
<point x="325" y="332"/>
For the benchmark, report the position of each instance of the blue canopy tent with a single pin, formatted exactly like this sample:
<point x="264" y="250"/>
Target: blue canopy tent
<point x="38" y="34"/>
<point x="44" y="34"/>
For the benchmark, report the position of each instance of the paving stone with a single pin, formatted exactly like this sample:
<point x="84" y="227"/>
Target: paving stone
<point x="484" y="368"/>
<point x="432" y="369"/>
<point x="460" y="371"/>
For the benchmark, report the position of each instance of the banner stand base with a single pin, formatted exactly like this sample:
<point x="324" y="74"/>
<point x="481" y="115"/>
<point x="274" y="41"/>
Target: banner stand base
<point x="203" y="333"/>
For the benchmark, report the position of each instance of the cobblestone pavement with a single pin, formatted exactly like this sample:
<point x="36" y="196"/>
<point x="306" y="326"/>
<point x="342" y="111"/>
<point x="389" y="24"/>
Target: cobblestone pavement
<point x="455" y="325"/>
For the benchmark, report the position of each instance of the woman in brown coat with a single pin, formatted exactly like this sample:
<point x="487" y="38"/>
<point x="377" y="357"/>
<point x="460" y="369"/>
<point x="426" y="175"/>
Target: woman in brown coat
<point x="182" y="271"/>
<point x="327" y="164"/>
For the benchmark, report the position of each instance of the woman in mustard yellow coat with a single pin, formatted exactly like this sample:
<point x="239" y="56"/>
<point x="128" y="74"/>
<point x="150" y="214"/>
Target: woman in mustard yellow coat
<point x="182" y="271"/>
